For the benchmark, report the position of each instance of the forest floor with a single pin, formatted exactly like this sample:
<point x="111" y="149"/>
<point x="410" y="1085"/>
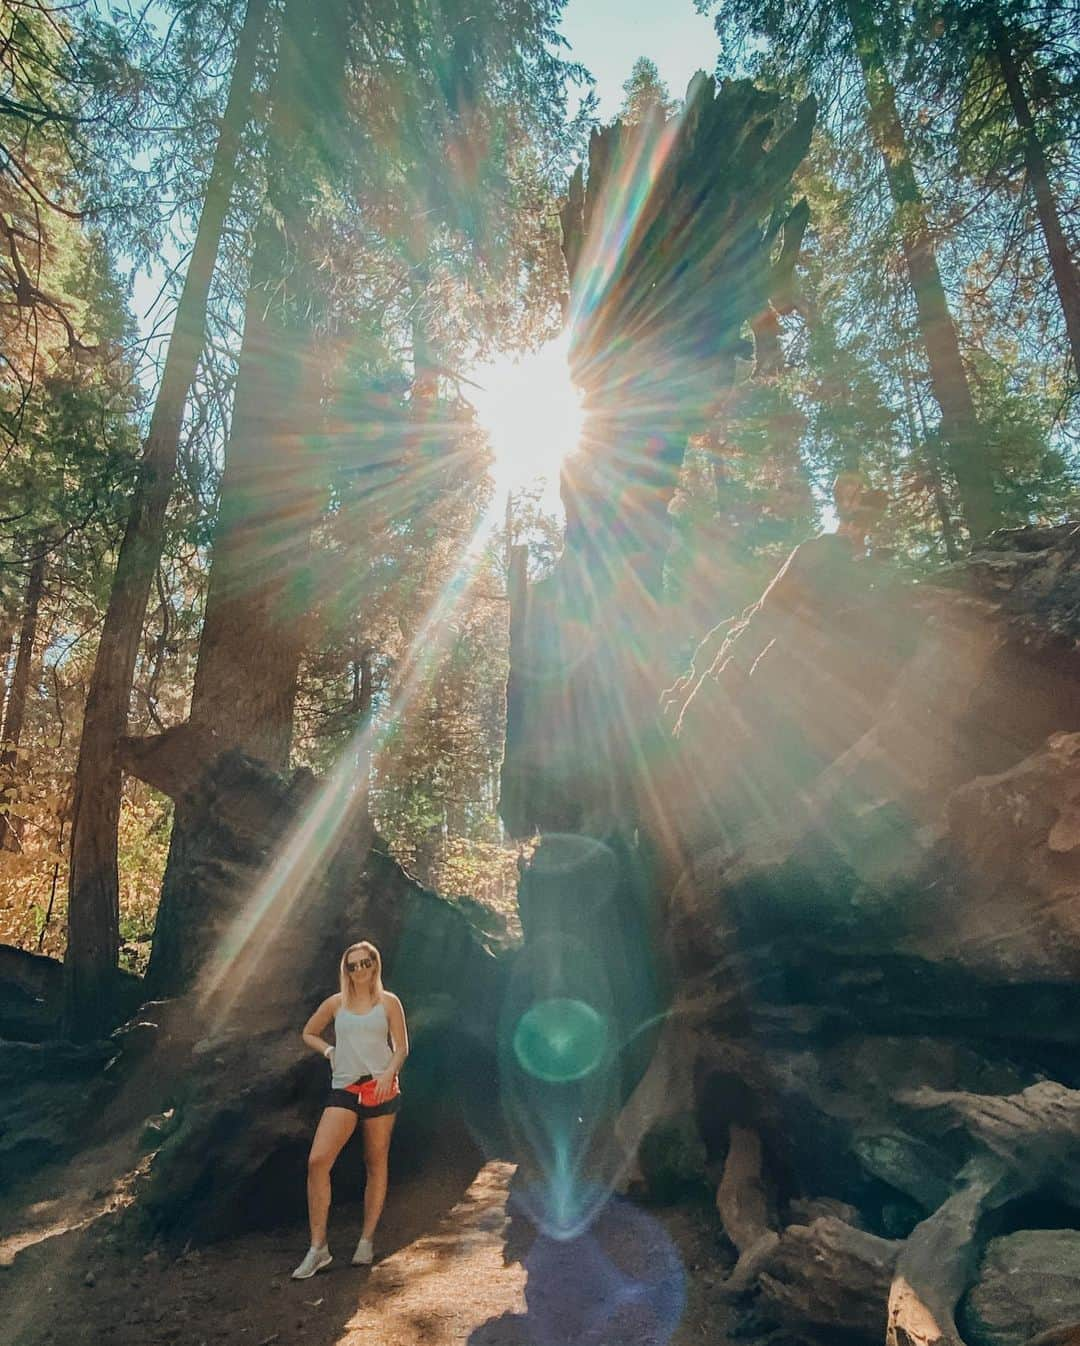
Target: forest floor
<point x="74" y="1270"/>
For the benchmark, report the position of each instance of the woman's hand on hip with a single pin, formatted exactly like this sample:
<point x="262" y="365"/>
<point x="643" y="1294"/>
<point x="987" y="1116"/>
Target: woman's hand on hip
<point x="384" y="1085"/>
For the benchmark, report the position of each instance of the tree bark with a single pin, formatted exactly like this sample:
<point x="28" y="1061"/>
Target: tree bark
<point x="93" y="893"/>
<point x="948" y="377"/>
<point x="254" y="632"/>
<point x="15" y="712"/>
<point x="1066" y="275"/>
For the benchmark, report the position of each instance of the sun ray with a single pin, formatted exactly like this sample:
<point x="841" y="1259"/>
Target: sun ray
<point x="291" y="882"/>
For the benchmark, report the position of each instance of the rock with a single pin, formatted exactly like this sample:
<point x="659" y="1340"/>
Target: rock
<point x="136" y="1039"/>
<point x="155" y="1129"/>
<point x="907" y="1164"/>
<point x="881" y="889"/>
<point x="887" y="849"/>
<point x="1028" y="1284"/>
<point x="30" y="991"/>
<point x="1018" y="835"/>
<point x="824" y="613"/>
<point x="1034" y="575"/>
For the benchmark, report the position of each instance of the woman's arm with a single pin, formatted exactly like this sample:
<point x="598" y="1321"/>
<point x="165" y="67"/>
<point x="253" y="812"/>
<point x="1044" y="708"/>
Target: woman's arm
<point x="399" y="1037"/>
<point x="315" y="1026"/>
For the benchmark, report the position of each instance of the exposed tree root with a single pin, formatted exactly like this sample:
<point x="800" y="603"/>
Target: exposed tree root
<point x="744" y="1207"/>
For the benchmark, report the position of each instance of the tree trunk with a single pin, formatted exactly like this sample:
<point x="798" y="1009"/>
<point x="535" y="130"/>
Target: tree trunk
<point x="254" y="631"/>
<point x="367" y="684"/>
<point x="7" y="644"/>
<point x="363" y="697"/>
<point x="15" y="714"/>
<point x="256" y="624"/>
<point x="93" y="938"/>
<point x="917" y="432"/>
<point x="273" y="487"/>
<point x="948" y="378"/>
<point x="1066" y="275"/>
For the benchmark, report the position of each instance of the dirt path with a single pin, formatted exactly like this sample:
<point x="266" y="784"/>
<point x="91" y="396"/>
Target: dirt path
<point x="443" y="1287"/>
<point x="72" y="1272"/>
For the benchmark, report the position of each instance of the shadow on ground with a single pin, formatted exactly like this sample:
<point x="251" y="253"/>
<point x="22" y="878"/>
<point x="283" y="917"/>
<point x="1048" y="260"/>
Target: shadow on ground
<point x="78" y="1266"/>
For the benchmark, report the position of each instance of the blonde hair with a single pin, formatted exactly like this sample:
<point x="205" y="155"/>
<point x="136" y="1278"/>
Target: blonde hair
<point x="343" y="974"/>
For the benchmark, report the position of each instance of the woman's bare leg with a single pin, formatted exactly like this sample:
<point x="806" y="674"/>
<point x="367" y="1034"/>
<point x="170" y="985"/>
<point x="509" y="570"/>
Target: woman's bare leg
<point x="335" y="1127"/>
<point x="377" y="1131"/>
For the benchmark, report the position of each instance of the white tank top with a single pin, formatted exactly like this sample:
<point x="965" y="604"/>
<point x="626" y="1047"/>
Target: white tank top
<point x="361" y="1045"/>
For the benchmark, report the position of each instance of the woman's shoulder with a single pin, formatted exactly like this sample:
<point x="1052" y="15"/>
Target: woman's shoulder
<point x="333" y="1002"/>
<point x="389" y="998"/>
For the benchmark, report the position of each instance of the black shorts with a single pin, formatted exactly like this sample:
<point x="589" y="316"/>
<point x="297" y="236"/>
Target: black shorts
<point x="341" y="1098"/>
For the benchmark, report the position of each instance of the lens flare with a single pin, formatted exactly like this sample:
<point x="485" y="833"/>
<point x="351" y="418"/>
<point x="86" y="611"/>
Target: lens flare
<point x="622" y="1280"/>
<point x="532" y="414"/>
<point x="560" y="1040"/>
<point x="290" y="885"/>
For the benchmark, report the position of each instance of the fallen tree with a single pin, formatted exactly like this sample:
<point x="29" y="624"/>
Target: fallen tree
<point x="892" y="946"/>
<point x="288" y="871"/>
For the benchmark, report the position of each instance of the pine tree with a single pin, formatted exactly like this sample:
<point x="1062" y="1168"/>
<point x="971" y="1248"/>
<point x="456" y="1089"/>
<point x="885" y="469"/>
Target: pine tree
<point x="1010" y="76"/>
<point x="93" y="904"/>
<point x="645" y="94"/>
<point x="838" y="50"/>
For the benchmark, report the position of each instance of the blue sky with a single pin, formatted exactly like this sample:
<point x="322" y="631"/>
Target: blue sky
<point x="607" y="36"/>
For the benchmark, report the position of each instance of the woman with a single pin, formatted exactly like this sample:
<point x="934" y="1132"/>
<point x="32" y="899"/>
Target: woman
<point x="370" y="1044"/>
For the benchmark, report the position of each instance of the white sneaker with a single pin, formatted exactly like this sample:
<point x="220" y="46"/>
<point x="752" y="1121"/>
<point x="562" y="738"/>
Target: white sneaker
<point x="364" y="1255"/>
<point x="314" y="1260"/>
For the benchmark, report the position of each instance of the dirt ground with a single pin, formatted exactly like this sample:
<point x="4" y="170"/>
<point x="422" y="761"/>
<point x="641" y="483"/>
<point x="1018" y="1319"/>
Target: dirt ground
<point x="74" y="1270"/>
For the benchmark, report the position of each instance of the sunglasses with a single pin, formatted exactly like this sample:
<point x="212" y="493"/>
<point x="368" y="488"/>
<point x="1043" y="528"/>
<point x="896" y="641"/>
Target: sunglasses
<point x="364" y="962"/>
